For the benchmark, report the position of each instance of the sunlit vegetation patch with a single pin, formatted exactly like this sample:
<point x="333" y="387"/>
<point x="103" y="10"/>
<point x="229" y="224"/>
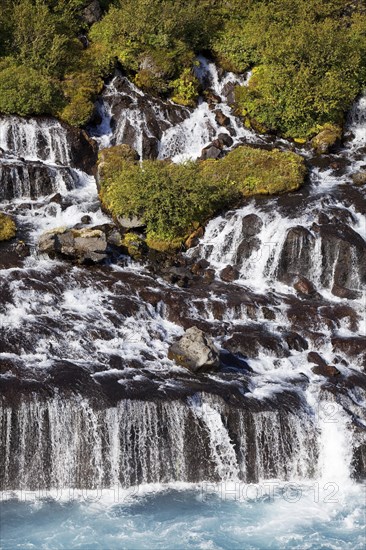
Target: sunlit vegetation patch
<point x="8" y="227"/>
<point x="174" y="199"/>
<point x="309" y="57"/>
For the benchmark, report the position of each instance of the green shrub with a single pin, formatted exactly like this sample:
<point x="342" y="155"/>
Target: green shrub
<point x="80" y="90"/>
<point x="48" y="71"/>
<point x="310" y="58"/>
<point x="174" y="199"/>
<point x="186" y="89"/>
<point x="112" y="160"/>
<point x="25" y="91"/>
<point x="170" y="198"/>
<point x="310" y="55"/>
<point x="157" y="41"/>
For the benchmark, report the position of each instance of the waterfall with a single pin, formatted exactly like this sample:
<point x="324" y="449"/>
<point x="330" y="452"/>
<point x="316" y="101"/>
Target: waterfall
<point x="27" y="180"/>
<point x="269" y="248"/>
<point x="90" y="398"/>
<point x="163" y="129"/>
<point x="130" y="116"/>
<point x="186" y="140"/>
<point x="34" y="139"/>
<point x="357" y="124"/>
<point x="67" y="442"/>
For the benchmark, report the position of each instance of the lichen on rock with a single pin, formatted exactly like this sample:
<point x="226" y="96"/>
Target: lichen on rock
<point x="8" y="227"/>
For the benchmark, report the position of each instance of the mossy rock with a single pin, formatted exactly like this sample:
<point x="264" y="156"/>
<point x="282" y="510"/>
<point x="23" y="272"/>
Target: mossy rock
<point x="258" y="171"/>
<point x="135" y="245"/>
<point x="164" y="245"/>
<point x="327" y="136"/>
<point x="8" y="227"/>
<point x="174" y="200"/>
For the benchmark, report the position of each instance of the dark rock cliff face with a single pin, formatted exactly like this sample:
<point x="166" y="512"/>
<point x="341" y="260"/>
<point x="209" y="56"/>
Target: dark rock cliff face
<point x="83" y="150"/>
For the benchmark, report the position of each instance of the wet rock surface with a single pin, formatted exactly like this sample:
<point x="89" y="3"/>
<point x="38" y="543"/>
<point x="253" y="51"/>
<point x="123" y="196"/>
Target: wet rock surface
<point x="27" y="179"/>
<point x="82" y="245"/>
<point x="277" y="285"/>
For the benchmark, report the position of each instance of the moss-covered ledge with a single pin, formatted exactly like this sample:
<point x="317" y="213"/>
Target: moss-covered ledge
<point x="173" y="200"/>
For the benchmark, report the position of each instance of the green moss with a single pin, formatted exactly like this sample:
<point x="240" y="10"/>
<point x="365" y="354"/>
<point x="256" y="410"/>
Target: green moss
<point x="257" y="171"/>
<point x="8" y="227"/>
<point x="175" y="199"/>
<point x="135" y="245"/>
<point x="326" y="137"/>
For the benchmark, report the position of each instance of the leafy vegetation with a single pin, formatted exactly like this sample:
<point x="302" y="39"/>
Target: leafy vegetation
<point x="8" y="228"/>
<point x="309" y="57"/>
<point x="257" y="171"/>
<point x="174" y="199"/>
<point x="44" y="68"/>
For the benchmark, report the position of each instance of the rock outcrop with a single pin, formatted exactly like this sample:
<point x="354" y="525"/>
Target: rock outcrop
<point x="83" y="245"/>
<point x="195" y="351"/>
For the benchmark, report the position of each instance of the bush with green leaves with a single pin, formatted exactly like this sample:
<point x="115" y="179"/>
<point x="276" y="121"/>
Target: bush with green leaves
<point x="44" y="68"/>
<point x="309" y="56"/>
<point x="174" y="199"/>
<point x="171" y="198"/>
<point x="25" y="91"/>
<point x="310" y="60"/>
<point x="157" y="40"/>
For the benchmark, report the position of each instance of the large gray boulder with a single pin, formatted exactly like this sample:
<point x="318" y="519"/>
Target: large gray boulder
<point x="82" y="245"/>
<point x="195" y="351"/>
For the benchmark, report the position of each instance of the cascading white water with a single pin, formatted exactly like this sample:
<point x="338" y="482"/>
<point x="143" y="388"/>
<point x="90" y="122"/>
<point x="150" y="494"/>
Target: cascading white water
<point x="70" y="441"/>
<point x="186" y="140"/>
<point x="34" y="139"/>
<point x="224" y="236"/>
<point x="177" y="133"/>
<point x="128" y="115"/>
<point x="357" y="124"/>
<point x="26" y="180"/>
<point x="62" y="443"/>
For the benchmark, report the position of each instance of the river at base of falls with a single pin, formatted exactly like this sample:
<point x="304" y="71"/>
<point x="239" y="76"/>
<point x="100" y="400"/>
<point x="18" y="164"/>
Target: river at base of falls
<point x="210" y="517"/>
